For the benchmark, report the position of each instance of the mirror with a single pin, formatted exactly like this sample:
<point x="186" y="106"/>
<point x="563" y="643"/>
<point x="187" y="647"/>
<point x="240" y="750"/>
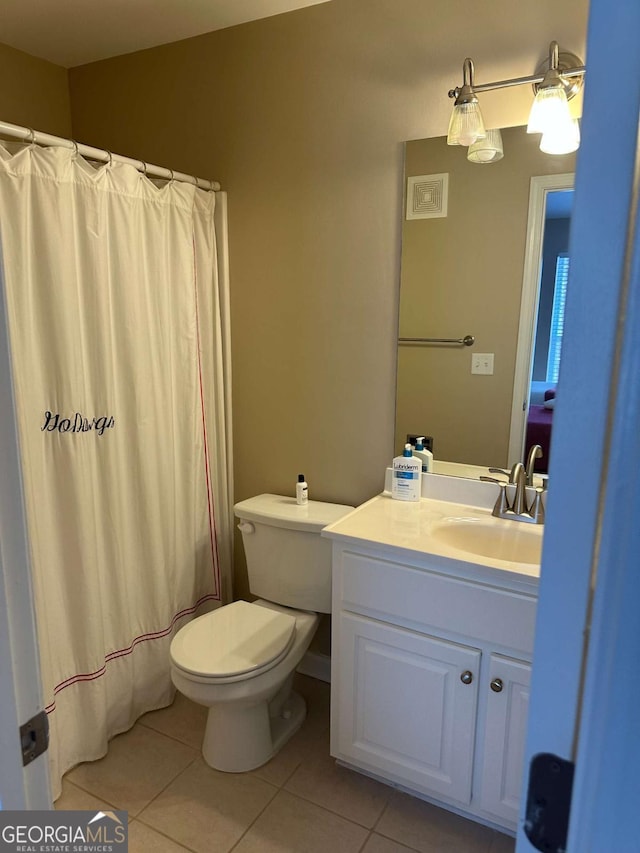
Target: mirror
<point x="462" y="274"/>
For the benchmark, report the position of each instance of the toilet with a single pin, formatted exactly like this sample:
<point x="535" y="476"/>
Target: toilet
<point x="239" y="660"/>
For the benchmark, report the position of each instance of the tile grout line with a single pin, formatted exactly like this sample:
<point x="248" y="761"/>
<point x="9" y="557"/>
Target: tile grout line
<point x="381" y="815"/>
<point x="164" y="835"/>
<point x="365" y="842"/>
<point x="376" y="831"/>
<point x="277" y="789"/>
<point x="260" y="813"/>
<point x="155" y="796"/>
<point x="170" y="782"/>
<point x="86" y="791"/>
<point x="322" y="808"/>
<point x="329" y="811"/>
<point x="171" y="737"/>
<point x="338" y="814"/>
<point x="280" y="787"/>
<point x="148" y="728"/>
<point x="150" y="826"/>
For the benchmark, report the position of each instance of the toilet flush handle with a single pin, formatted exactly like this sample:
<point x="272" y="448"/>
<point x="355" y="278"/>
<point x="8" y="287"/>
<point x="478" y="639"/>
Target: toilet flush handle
<point x="246" y="527"/>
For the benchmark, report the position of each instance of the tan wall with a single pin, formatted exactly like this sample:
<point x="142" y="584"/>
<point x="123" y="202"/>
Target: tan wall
<point x="462" y="274"/>
<point x="34" y="93"/>
<point x="302" y="118"/>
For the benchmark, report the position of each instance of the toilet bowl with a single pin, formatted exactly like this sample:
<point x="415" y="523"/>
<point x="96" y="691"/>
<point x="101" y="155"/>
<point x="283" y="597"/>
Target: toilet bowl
<point x="247" y="685"/>
<point x="239" y="661"/>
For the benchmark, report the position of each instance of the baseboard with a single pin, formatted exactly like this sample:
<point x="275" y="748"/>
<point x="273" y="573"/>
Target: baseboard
<point x="316" y="665"/>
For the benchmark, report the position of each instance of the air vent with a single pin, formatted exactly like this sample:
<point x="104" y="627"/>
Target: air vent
<point x="427" y="196"/>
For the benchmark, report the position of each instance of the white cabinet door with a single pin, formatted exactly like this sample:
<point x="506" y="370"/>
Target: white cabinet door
<point x="403" y="709"/>
<point x="505" y="736"/>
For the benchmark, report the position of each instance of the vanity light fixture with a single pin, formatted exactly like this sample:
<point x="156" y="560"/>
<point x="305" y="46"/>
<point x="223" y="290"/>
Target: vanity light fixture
<point x="556" y="81"/>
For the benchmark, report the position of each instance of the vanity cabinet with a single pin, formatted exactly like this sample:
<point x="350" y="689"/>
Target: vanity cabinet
<point x="430" y="677"/>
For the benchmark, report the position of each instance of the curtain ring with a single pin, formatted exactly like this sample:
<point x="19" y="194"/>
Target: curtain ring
<point x="76" y="150"/>
<point x="144" y="168"/>
<point x="110" y="163"/>
<point x="172" y="178"/>
<point x="32" y="137"/>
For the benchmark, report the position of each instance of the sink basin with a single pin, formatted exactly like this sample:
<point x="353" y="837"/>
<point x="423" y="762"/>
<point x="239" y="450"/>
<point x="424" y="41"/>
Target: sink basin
<point x="511" y="541"/>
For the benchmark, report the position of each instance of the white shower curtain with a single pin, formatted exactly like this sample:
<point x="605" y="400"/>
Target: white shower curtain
<point x="119" y="335"/>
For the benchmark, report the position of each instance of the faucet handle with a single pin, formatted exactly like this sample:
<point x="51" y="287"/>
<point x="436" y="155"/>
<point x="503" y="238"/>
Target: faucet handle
<point x="536" y="510"/>
<point x="502" y="502"/>
<point x="498" y="471"/>
<point x="501" y="506"/>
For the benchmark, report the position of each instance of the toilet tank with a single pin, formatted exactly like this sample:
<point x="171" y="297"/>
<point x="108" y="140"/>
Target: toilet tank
<point x="288" y="562"/>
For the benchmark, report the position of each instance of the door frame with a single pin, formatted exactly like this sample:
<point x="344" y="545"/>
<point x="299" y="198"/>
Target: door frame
<point x="540" y="187"/>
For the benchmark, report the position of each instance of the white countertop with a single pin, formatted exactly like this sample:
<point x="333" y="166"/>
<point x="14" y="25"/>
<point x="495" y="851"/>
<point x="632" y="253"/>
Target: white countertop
<point x="408" y="527"/>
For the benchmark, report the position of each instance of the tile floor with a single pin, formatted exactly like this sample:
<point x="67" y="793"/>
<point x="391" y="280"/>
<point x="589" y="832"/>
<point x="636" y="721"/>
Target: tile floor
<point x="300" y="802"/>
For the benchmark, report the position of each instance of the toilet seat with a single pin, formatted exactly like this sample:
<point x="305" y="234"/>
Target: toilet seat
<point x="235" y="642"/>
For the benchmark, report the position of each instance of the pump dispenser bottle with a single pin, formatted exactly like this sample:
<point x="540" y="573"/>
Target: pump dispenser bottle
<point x="407" y="479"/>
<point x="302" y="491"/>
<point x="425" y="456"/>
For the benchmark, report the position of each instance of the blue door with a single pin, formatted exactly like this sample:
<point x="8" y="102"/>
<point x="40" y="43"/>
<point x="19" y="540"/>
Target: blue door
<point x="585" y="685"/>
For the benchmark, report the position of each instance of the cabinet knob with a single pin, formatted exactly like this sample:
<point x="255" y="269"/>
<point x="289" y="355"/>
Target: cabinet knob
<point x="497" y="685"/>
<point x="466" y="677"/>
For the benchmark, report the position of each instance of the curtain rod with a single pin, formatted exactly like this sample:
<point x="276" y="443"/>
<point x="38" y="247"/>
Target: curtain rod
<point x="26" y="133"/>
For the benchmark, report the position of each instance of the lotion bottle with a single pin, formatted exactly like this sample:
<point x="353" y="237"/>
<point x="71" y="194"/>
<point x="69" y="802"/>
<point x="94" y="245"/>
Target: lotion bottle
<point x="425" y="456"/>
<point x="302" y="491"/>
<point x="407" y="476"/>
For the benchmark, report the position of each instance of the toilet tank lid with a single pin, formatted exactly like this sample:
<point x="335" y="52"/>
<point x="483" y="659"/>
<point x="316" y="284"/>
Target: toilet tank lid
<point x="282" y="511"/>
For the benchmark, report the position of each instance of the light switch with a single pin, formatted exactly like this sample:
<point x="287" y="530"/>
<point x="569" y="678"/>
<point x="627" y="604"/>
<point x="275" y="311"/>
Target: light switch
<point x="482" y="362"/>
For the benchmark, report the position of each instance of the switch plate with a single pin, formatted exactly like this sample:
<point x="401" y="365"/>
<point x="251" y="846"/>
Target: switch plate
<point x="482" y="362"/>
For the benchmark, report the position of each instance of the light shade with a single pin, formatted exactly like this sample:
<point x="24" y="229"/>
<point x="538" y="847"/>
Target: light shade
<point x="550" y="110"/>
<point x="466" y="124"/>
<point x="561" y="140"/>
<point x="487" y="150"/>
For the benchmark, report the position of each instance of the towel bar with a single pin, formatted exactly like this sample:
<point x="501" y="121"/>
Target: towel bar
<point x="467" y="341"/>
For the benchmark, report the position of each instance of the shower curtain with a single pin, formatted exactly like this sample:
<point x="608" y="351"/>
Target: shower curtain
<point x="118" y="317"/>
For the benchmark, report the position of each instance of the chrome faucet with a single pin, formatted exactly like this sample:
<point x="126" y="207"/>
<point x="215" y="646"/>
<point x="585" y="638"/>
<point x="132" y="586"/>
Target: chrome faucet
<point x="517" y="509"/>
